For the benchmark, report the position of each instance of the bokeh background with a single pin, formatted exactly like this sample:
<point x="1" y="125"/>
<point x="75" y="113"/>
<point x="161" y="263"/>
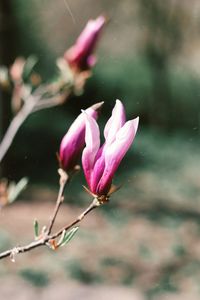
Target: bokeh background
<point x="145" y="244"/>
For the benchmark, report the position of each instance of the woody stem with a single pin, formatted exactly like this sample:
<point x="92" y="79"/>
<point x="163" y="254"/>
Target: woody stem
<point x="46" y="238"/>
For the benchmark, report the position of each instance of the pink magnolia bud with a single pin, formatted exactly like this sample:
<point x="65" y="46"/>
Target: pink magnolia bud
<point x="101" y="163"/>
<point x="16" y="70"/>
<point x="80" y="56"/>
<point x="74" y="140"/>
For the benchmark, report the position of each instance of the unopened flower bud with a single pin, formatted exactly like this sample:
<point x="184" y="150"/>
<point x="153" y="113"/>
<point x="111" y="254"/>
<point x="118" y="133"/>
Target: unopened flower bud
<point x="80" y="56"/>
<point x="74" y="140"/>
<point x="16" y="70"/>
<point x="101" y="163"/>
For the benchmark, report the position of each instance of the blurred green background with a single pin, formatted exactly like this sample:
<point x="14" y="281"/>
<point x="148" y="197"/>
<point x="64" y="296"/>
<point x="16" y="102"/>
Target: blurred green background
<point x="149" y="58"/>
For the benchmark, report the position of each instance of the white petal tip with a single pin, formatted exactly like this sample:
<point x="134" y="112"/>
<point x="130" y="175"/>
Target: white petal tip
<point x="118" y="101"/>
<point x="97" y="106"/>
<point x="136" y="123"/>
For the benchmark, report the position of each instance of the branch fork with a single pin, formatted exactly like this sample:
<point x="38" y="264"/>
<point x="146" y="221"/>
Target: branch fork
<point x="46" y="238"/>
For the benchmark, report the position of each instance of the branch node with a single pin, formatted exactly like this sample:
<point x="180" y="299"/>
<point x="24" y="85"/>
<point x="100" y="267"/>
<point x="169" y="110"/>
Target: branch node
<point x="13" y="254"/>
<point x="63" y="176"/>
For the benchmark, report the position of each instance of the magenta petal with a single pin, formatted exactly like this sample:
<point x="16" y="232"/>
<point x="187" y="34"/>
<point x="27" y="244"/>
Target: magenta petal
<point x="92" y="140"/>
<point x="80" y="55"/>
<point x="115" y="153"/>
<point x="88" y="37"/>
<point x="97" y="172"/>
<point x="74" y="140"/>
<point x="91" y="61"/>
<point x="116" y="121"/>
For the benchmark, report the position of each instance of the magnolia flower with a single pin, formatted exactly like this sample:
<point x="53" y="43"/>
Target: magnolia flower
<point x="101" y="163"/>
<point x="74" y="140"/>
<point x="80" y="56"/>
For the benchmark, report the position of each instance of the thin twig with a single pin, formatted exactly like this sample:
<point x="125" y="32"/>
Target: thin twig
<point x="47" y="238"/>
<point x="64" y="178"/>
<point x="95" y="203"/>
<point x="51" y="102"/>
<point x="33" y="103"/>
<point x="16" y="124"/>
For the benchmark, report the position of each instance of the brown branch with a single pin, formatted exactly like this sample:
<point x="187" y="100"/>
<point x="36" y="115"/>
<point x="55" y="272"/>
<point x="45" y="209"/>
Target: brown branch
<point x="45" y="239"/>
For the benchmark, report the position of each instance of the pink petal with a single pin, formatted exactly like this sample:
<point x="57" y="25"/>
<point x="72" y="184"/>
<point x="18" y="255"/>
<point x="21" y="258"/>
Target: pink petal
<point x="16" y="70"/>
<point x="115" y="153"/>
<point x="90" y="31"/>
<point x="91" y="61"/>
<point x="92" y="140"/>
<point x="80" y="55"/>
<point x="97" y="172"/>
<point x="74" y="140"/>
<point x="116" y="121"/>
